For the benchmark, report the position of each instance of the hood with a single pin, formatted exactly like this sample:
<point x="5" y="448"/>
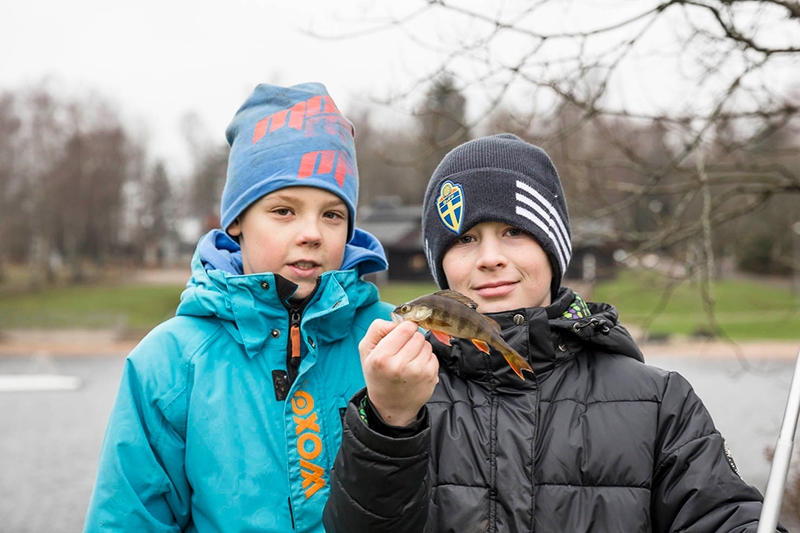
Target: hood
<point x="364" y="252"/>
<point x="593" y="324"/>
<point x="545" y="336"/>
<point x="218" y="288"/>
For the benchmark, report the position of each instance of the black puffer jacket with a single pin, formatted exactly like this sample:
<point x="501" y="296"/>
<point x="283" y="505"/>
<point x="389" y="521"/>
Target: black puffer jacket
<point x="596" y="442"/>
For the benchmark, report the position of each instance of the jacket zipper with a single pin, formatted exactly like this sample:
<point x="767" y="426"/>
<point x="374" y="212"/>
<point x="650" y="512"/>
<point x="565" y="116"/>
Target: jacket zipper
<point x="293" y="352"/>
<point x="291" y="513"/>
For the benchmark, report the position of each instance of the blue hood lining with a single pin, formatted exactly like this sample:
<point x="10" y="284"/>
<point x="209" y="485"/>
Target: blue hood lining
<point x="218" y="251"/>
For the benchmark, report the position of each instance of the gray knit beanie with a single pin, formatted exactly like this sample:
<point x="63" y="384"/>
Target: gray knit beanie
<point x="496" y="179"/>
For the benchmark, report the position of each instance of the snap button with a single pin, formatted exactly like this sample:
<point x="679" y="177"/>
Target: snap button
<point x="519" y="319"/>
<point x="264" y="285"/>
<point x="275" y="333"/>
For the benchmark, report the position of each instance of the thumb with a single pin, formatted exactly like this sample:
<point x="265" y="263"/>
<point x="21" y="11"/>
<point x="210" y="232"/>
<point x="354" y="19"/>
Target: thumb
<point x="375" y="333"/>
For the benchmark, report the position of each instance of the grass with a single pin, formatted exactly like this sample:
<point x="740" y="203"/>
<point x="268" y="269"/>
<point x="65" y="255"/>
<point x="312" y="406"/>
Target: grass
<point x="93" y="307"/>
<point x="132" y="307"/>
<point x="744" y="309"/>
<point x="400" y="292"/>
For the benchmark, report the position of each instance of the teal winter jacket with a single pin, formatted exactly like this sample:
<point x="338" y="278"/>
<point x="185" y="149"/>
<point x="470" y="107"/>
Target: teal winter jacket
<point x="209" y="433"/>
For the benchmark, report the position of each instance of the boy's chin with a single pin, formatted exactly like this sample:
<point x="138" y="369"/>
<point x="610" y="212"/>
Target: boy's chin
<point x="498" y="305"/>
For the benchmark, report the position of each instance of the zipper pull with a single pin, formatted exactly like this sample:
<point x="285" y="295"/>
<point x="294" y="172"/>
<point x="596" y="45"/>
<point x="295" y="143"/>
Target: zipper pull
<point x="294" y="332"/>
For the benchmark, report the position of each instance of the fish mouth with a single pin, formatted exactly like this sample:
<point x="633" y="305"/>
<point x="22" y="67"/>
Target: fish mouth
<point x="396" y="317"/>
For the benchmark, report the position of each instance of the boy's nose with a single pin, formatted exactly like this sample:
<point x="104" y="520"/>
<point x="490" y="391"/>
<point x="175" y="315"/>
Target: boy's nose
<point x="309" y="233"/>
<point x="491" y="255"/>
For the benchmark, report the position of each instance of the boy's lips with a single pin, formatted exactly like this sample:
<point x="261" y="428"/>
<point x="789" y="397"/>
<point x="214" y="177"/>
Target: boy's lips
<point x="495" y="289"/>
<point x="304" y="268"/>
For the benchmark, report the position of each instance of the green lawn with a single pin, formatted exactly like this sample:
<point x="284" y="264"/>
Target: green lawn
<point x="399" y="293"/>
<point x="100" y="306"/>
<point x="744" y="309"/>
<point x="122" y="306"/>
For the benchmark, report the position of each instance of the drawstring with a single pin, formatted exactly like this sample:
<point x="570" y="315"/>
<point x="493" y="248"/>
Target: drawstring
<point x="599" y="324"/>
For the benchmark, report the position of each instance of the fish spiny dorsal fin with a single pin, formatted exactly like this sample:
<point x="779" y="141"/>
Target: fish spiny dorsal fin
<point x="494" y="324"/>
<point x="457" y="296"/>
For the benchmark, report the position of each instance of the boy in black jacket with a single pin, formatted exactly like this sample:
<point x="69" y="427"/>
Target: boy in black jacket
<point x="448" y="438"/>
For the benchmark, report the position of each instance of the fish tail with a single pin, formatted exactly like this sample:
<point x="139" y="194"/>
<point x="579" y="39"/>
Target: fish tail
<point x="515" y="361"/>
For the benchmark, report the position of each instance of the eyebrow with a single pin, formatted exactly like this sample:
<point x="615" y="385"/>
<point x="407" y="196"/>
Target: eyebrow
<point x="280" y="197"/>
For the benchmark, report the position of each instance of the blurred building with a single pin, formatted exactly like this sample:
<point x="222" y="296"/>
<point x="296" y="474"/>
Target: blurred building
<point x="399" y="228"/>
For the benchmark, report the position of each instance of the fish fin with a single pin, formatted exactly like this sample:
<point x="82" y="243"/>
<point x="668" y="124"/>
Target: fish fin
<point x="457" y="296"/>
<point x="444" y="338"/>
<point x="517" y="363"/>
<point x="482" y="346"/>
<point x="492" y="323"/>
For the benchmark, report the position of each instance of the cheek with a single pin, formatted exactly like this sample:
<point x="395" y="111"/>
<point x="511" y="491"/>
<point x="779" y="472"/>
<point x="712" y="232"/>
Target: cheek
<point x="454" y="270"/>
<point x="335" y="243"/>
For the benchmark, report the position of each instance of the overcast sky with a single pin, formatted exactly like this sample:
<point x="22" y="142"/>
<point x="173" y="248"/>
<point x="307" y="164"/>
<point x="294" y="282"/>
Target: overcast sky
<point x="158" y="60"/>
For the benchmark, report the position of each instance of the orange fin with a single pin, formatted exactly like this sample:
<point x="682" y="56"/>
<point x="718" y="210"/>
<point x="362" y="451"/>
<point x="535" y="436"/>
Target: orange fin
<point x="457" y="296"/>
<point x="444" y="338"/>
<point x="517" y="363"/>
<point x="482" y="346"/>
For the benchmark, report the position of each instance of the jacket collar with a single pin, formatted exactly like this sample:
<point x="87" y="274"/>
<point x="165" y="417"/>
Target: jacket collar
<point x="545" y="336"/>
<point x="251" y="306"/>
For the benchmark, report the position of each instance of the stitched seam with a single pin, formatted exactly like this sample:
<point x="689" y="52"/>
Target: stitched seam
<point x="575" y="486"/>
<point x="165" y="481"/>
<point x="358" y="505"/>
<point x="462" y="485"/>
<point x="445" y="402"/>
<point x="682" y="446"/>
<point x="188" y="363"/>
<point x="598" y="401"/>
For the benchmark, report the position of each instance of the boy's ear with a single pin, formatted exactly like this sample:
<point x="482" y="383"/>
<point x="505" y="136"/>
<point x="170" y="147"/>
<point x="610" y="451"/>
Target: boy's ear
<point x="235" y="229"/>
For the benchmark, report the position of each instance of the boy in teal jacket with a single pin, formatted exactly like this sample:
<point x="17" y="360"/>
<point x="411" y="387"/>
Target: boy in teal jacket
<point x="228" y="416"/>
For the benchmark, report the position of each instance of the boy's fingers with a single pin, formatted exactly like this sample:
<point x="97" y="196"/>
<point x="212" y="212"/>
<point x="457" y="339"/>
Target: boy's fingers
<point x="424" y="362"/>
<point x="395" y="340"/>
<point x="376" y="331"/>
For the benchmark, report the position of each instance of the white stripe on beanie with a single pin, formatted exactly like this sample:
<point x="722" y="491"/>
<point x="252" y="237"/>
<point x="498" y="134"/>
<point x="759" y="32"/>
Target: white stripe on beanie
<point x="530" y="216"/>
<point x="545" y="221"/>
<point x="562" y="231"/>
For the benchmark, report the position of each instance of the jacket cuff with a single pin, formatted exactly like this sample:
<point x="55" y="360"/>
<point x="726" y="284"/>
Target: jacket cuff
<point x="375" y="421"/>
<point x="387" y="440"/>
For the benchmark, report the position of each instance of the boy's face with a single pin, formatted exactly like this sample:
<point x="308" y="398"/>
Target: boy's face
<point x="500" y="267"/>
<point x="297" y="232"/>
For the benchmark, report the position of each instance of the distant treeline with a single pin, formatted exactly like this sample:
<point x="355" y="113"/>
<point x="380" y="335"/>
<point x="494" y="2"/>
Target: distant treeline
<point x="77" y="187"/>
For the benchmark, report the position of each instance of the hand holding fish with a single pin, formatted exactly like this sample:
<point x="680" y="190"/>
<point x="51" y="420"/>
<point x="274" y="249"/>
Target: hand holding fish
<point x="448" y="313"/>
<point x="400" y="370"/>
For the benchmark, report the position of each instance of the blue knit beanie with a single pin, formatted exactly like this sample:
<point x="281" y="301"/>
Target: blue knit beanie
<point x="496" y="179"/>
<point x="284" y="137"/>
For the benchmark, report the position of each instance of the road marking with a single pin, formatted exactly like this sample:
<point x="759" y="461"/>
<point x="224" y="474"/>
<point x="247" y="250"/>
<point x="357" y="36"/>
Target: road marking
<point x="38" y="382"/>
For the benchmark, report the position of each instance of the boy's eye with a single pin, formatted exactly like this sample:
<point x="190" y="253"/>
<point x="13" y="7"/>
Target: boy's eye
<point x="282" y="211"/>
<point x="514" y="232"/>
<point x="333" y="215"/>
<point x="466" y="239"/>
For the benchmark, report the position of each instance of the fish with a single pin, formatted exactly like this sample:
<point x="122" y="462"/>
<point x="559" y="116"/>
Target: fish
<point x="448" y="313"/>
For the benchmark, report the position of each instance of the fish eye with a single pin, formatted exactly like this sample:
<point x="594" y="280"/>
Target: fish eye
<point x="405" y="309"/>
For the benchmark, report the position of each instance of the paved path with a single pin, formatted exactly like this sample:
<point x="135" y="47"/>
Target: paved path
<point x="50" y="441"/>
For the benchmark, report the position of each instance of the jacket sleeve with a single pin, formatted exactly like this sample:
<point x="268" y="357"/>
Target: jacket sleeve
<point x="696" y="486"/>
<point x="141" y="481"/>
<point x="378" y="483"/>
